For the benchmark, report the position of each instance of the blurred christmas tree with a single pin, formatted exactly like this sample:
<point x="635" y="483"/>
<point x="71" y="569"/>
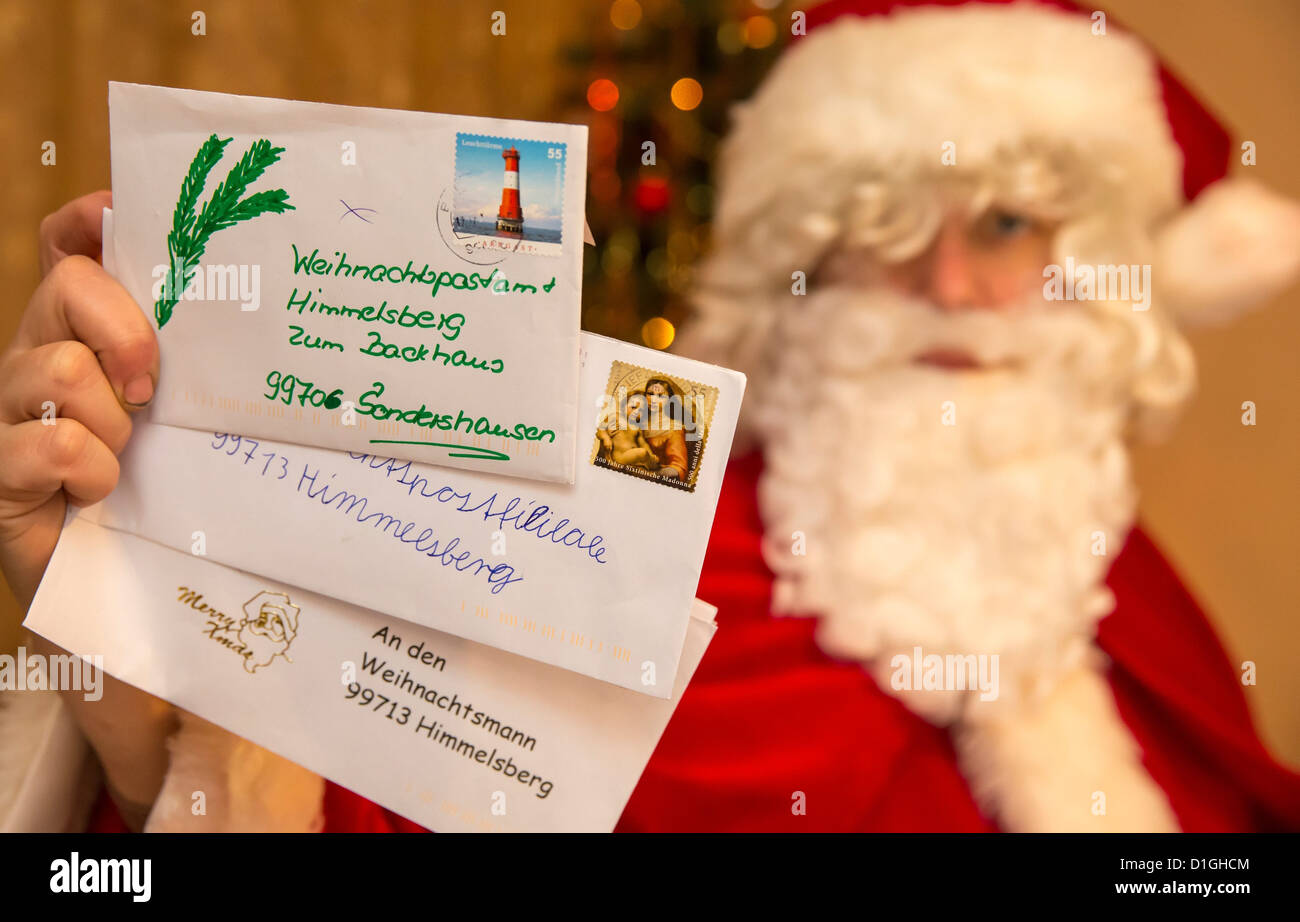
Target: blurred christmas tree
<point x="654" y="81"/>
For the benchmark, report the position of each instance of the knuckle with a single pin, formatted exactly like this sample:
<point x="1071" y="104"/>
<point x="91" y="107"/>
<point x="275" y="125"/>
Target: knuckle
<point x="70" y="365"/>
<point x="73" y="271"/>
<point x="66" y="443"/>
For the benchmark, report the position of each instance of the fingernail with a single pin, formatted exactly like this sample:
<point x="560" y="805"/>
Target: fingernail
<point x="139" y="391"/>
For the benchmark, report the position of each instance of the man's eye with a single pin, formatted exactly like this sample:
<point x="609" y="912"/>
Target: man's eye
<point x="1005" y="224"/>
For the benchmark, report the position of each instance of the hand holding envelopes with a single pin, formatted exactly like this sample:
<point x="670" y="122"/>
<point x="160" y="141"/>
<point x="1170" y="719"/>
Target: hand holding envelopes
<point x="287" y="593"/>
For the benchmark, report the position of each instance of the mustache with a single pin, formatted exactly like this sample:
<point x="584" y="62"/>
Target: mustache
<point x="853" y="331"/>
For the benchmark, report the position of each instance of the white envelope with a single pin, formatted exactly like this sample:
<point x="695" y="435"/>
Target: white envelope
<point x="356" y="278"/>
<point x="454" y="735"/>
<point x="596" y="577"/>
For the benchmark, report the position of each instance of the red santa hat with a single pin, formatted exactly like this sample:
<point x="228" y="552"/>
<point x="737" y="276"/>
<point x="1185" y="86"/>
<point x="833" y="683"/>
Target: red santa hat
<point x="885" y="84"/>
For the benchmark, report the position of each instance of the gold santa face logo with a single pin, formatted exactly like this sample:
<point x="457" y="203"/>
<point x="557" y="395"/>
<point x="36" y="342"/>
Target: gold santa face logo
<point x="269" y="626"/>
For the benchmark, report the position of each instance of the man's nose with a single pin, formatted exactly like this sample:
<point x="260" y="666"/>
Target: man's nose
<point x="952" y="283"/>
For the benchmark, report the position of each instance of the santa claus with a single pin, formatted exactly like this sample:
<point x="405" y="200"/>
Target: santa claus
<point x="939" y="475"/>
<point x="954" y="249"/>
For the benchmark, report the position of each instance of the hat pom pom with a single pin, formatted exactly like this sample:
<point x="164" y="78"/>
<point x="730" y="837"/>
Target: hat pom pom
<point x="1233" y="248"/>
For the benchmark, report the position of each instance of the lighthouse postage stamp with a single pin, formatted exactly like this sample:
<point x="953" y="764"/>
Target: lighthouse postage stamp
<point x="509" y="195"/>
<point x="310" y="283"/>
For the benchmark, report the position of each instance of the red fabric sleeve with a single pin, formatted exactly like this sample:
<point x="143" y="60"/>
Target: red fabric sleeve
<point x="1185" y="703"/>
<point x="349" y="812"/>
<point x="104" y="816"/>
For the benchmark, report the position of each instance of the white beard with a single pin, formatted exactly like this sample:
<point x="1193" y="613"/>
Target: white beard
<point x="974" y="537"/>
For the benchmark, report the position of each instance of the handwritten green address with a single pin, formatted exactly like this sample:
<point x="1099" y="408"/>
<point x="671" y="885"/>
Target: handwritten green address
<point x="458" y="358"/>
<point x="313" y="264"/>
<point x="286" y="388"/>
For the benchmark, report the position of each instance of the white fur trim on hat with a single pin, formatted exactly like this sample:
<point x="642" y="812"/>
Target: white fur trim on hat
<point x="884" y="94"/>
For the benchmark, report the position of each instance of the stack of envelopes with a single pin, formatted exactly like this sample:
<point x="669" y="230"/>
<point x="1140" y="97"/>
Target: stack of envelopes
<point x="392" y="515"/>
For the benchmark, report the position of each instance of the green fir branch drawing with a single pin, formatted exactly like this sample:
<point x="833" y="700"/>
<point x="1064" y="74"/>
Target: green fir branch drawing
<point x="192" y="230"/>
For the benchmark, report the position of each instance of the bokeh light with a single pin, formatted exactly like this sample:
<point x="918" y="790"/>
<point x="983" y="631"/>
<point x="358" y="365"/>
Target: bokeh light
<point x="615" y="261"/>
<point x="731" y="38"/>
<point x="602" y="94"/>
<point x="679" y="278"/>
<point x="759" y="32"/>
<point x="658" y="333"/>
<point x="656" y="264"/>
<point x="687" y="93"/>
<point x="652" y="194"/>
<point x="625" y="14"/>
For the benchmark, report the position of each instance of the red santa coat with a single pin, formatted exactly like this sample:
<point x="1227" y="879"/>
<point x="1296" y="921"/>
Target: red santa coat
<point x="768" y="714"/>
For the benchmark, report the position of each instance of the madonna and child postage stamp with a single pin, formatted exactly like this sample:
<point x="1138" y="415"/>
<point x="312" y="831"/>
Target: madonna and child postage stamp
<point x="654" y="426"/>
